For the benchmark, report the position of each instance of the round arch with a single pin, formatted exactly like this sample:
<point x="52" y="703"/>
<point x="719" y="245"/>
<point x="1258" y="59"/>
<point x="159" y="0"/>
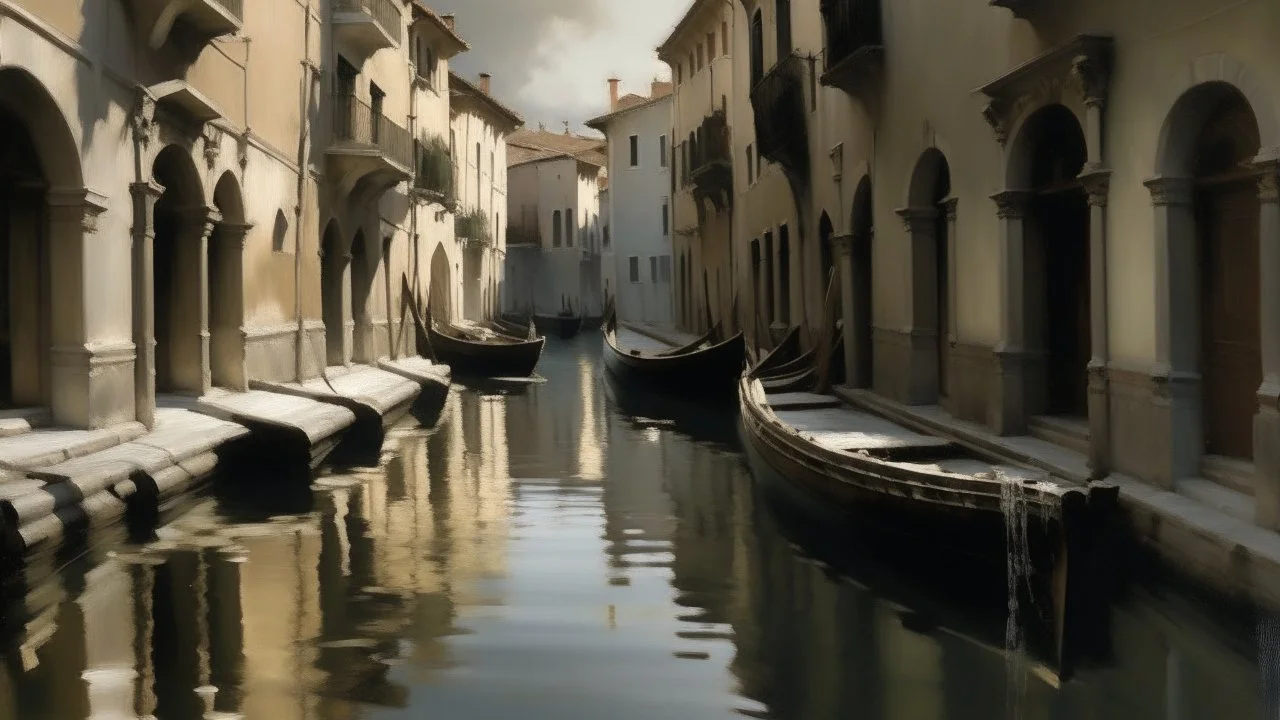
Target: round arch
<point x="927" y="221"/>
<point x="182" y="224"/>
<point x="226" y="286"/>
<point x="26" y="98"/>
<point x="1211" y="78"/>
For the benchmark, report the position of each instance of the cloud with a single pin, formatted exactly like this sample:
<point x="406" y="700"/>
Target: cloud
<point x="550" y="58"/>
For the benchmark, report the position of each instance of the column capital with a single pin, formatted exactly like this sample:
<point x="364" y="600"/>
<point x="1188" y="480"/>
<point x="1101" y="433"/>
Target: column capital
<point x="843" y="244"/>
<point x="234" y="232"/>
<point x="1268" y="170"/>
<point x="1012" y="204"/>
<point x="948" y="205"/>
<point x="80" y="205"/>
<point x="199" y="218"/>
<point x="1097" y="183"/>
<point x="917" y="219"/>
<point x="1170" y="190"/>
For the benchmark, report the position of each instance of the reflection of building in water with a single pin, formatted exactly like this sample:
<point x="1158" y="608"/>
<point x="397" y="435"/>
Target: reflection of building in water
<point x="637" y="511"/>
<point x="591" y="450"/>
<point x="701" y="485"/>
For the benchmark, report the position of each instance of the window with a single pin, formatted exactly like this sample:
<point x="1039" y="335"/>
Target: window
<point x="757" y="48"/>
<point x="724" y="38"/>
<point x="664" y="269"/>
<point x="634" y="266"/>
<point x="653" y="269"/>
<point x="782" y="22"/>
<point x="711" y="46"/>
<point x="665" y="223"/>
<point x="692" y="67"/>
<point x="345" y="81"/>
<point x="700" y="56"/>
<point x="279" y="233"/>
<point x="635" y="151"/>
<point x="662" y="151"/>
<point x="606" y="237"/>
<point x="555" y="229"/>
<point x="570" y="226"/>
<point x="750" y="166"/>
<point x="477" y="175"/>
<point x="679" y="73"/>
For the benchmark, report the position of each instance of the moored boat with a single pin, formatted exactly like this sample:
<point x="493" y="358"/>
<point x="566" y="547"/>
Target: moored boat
<point x="707" y="367"/>
<point x="499" y="356"/>
<point x="954" y="497"/>
<point x="562" y="325"/>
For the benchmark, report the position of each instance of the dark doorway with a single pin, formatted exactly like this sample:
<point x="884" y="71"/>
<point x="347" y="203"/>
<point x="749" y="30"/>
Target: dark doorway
<point x="333" y="265"/>
<point x="862" y="375"/>
<point x="784" y="276"/>
<point x="1227" y="217"/>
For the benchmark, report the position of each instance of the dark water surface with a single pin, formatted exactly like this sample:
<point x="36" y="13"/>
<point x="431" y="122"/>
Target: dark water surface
<point x="542" y="555"/>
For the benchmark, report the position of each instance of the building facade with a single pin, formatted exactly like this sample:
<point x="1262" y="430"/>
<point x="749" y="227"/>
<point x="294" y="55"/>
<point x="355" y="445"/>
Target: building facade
<point x="553" y="202"/>
<point x="698" y="52"/>
<point x="637" y="206"/>
<point x="188" y="209"/>
<point x="478" y="132"/>
<point x="1058" y="221"/>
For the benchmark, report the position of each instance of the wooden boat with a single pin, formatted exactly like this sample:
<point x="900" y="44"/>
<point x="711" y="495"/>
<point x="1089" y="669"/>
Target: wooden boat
<point x="562" y="325"/>
<point x="512" y="329"/>
<point x="706" y="367"/>
<point x="500" y="356"/>
<point x="976" y="504"/>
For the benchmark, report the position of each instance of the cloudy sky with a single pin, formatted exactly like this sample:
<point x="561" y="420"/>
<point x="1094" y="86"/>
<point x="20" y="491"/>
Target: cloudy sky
<point x="550" y="58"/>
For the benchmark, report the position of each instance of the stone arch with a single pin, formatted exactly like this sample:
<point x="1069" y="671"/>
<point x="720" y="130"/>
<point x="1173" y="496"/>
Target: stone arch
<point x="226" y="287"/>
<point x="1211" y="77"/>
<point x="441" y="288"/>
<point x="928" y="219"/>
<point x="334" y="266"/>
<point x="1218" y="224"/>
<point x="41" y="202"/>
<point x="183" y="223"/>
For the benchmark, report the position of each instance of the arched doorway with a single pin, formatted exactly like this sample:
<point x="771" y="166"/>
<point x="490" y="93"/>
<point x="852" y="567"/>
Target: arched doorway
<point x="784" y="277"/>
<point x="441" y="286"/>
<point x="363" y="268"/>
<point x="1051" y="152"/>
<point x="926" y="219"/>
<point x="182" y="225"/>
<point x="860" y="354"/>
<point x="333" y="269"/>
<point x="226" y="287"/>
<point x="684" y="290"/>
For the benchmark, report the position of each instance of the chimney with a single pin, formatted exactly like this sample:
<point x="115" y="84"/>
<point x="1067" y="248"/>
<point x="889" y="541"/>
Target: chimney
<point x="484" y="82"/>
<point x="448" y="21"/>
<point x="613" y="94"/>
<point x="656" y="88"/>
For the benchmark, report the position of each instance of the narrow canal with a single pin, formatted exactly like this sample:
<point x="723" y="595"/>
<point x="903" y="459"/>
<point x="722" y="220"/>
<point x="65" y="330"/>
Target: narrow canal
<point x="544" y="554"/>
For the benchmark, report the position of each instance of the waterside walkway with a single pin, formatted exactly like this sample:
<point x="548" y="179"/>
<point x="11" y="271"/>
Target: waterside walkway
<point x="54" y="481"/>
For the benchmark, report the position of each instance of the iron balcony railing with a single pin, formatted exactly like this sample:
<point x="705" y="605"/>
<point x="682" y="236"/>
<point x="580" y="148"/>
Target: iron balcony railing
<point x="851" y="25"/>
<point x="384" y="12"/>
<point x="434" y="169"/>
<point x="778" y="105"/>
<point x="712" y="142"/>
<point x="355" y="121"/>
<point x="234" y="7"/>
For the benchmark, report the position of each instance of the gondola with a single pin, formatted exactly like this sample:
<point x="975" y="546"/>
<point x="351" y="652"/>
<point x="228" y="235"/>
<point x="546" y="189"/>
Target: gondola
<point x="563" y="325"/>
<point x="500" y="356"/>
<point x="512" y="329"/>
<point x="970" y="502"/>
<point x="706" y="368"/>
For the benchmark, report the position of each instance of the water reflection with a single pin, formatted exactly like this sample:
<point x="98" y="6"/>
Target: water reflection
<point x="543" y="555"/>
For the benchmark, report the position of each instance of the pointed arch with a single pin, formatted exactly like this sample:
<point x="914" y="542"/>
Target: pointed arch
<point x="226" y="287"/>
<point x="441" y="288"/>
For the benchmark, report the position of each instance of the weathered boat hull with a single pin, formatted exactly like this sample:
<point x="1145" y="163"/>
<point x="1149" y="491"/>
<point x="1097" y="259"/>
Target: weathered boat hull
<point x="561" y="326"/>
<point x="476" y="359"/>
<point x="709" y="372"/>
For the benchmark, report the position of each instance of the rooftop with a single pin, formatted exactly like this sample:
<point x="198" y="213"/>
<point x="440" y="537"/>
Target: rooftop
<point x="530" y="145"/>
<point x="460" y="85"/>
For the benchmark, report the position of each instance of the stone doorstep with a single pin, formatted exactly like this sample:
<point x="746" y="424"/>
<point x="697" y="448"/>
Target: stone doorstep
<point x="381" y="390"/>
<point x="317" y="420"/>
<point x="1199" y="531"/>
<point x="418" y="369"/>
<point x="22" y="420"/>
<point x="38" y="448"/>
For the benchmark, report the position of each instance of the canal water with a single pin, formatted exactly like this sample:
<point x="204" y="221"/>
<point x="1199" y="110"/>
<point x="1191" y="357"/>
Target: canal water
<point x="554" y="551"/>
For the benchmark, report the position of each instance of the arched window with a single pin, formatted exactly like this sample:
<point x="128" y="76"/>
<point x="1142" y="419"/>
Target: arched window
<point x="555" y="229"/>
<point x="782" y="21"/>
<point x="280" y="232"/>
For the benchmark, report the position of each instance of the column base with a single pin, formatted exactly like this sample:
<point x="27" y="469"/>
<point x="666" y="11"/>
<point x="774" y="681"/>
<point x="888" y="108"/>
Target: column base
<point x="1176" y="432"/>
<point x="92" y="387"/>
<point x="1099" y="420"/>
<point x="1007" y="413"/>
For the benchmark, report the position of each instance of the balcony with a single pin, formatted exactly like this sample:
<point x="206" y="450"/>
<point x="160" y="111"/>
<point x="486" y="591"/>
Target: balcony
<point x="363" y="27"/>
<point x="778" y="104"/>
<point x="367" y="148"/>
<point x="855" y="46"/>
<point x="433" y="176"/>
<point x="711" y="167"/>
<point x="472" y="226"/>
<point x="186" y="25"/>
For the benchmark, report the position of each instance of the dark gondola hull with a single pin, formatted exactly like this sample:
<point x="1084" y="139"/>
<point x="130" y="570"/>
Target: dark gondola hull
<point x="708" y="373"/>
<point x="482" y="359"/>
<point x="561" y="326"/>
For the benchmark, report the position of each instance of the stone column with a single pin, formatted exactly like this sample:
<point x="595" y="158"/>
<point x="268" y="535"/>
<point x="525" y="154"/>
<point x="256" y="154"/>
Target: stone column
<point x="1266" y="421"/>
<point x="953" y="314"/>
<point x="1176" y="431"/>
<point x="1007" y="414"/>
<point x="227" y="341"/>
<point x="73" y="382"/>
<point x="922" y="339"/>
<point x="192" y="371"/>
<point x="145" y="195"/>
<point x="1097" y="182"/>
<point x="843" y="245"/>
